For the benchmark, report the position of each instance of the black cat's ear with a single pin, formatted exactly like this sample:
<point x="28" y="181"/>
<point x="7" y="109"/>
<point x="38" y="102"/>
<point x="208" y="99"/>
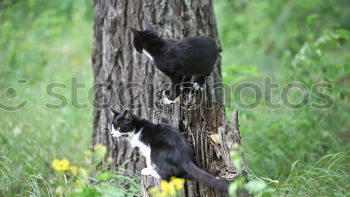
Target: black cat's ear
<point x="149" y="27"/>
<point x="136" y="32"/>
<point x="127" y="116"/>
<point x="115" y="112"/>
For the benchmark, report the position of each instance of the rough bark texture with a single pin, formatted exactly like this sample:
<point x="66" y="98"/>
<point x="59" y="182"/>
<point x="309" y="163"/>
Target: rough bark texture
<point x="127" y="80"/>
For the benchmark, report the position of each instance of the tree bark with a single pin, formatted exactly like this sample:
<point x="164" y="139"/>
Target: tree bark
<point x="127" y="80"/>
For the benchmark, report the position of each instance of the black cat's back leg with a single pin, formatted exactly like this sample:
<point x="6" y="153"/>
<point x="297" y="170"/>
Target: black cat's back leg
<point x="160" y="161"/>
<point x="175" y="87"/>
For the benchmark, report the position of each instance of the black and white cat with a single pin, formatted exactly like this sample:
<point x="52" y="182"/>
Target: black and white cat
<point x="186" y="60"/>
<point x="166" y="150"/>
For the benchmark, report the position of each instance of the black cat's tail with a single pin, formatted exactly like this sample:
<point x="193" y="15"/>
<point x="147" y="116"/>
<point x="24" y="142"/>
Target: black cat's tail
<point x="198" y="174"/>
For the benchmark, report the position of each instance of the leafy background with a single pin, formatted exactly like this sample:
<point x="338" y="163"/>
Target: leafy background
<point x="295" y="152"/>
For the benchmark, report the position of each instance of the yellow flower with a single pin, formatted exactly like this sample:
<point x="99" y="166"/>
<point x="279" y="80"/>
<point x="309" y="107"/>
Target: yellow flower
<point x="60" y="165"/>
<point x="167" y="188"/>
<point x="161" y="194"/>
<point x="172" y="190"/>
<point x="178" y="182"/>
<point x="157" y="192"/>
<point x="63" y="165"/>
<point x="164" y="186"/>
<point x="73" y="169"/>
<point x="153" y="190"/>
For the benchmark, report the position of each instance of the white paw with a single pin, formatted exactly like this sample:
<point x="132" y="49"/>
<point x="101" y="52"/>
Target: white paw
<point x="196" y="86"/>
<point x="155" y="174"/>
<point x="150" y="172"/>
<point x="167" y="101"/>
<point x="146" y="171"/>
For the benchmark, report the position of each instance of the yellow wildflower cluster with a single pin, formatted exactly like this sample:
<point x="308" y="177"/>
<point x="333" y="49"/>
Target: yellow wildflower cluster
<point x="166" y="189"/>
<point x="63" y="165"/>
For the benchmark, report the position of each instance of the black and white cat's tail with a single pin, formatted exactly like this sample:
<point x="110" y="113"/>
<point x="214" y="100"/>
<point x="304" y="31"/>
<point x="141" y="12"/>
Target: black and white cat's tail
<point x="198" y="174"/>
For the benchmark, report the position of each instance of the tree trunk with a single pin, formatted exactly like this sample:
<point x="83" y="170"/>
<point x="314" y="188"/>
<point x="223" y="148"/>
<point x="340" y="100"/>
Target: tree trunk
<point x="127" y="80"/>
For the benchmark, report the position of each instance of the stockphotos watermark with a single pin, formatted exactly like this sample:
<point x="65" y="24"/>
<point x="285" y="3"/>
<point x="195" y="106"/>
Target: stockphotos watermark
<point x="270" y="95"/>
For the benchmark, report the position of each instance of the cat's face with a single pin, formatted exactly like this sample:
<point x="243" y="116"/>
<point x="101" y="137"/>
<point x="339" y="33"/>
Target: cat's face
<point x="142" y="36"/>
<point x="122" y="124"/>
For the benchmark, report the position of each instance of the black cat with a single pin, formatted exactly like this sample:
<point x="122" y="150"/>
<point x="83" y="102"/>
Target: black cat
<point x="166" y="150"/>
<point x="184" y="60"/>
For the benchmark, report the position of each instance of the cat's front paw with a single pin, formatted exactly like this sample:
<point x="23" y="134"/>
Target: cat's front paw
<point x="166" y="98"/>
<point x="146" y="171"/>
<point x="197" y="87"/>
<point x="150" y="172"/>
<point x="167" y="101"/>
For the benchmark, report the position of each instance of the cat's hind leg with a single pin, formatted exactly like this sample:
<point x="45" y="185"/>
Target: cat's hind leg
<point x="175" y="87"/>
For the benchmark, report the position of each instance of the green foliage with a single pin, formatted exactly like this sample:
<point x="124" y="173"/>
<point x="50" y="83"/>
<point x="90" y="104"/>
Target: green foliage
<point x="86" y="192"/>
<point x="298" y="152"/>
<point x="47" y="42"/>
<point x="254" y="187"/>
<point x="93" y="177"/>
<point x="30" y="29"/>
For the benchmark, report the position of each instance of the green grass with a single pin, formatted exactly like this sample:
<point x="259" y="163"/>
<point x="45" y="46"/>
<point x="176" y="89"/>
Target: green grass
<point x="32" y="137"/>
<point x="46" y="46"/>
<point x="295" y="152"/>
<point x="302" y="152"/>
<point x="42" y="51"/>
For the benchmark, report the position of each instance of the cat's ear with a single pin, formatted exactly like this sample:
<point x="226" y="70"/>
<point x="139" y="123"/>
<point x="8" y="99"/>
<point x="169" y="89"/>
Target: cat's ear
<point x="136" y="32"/>
<point x="114" y="112"/>
<point x="149" y="27"/>
<point x="127" y="116"/>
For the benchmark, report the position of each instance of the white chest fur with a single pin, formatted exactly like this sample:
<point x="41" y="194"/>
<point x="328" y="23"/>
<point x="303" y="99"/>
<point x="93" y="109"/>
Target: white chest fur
<point x="144" y="149"/>
<point x="147" y="54"/>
